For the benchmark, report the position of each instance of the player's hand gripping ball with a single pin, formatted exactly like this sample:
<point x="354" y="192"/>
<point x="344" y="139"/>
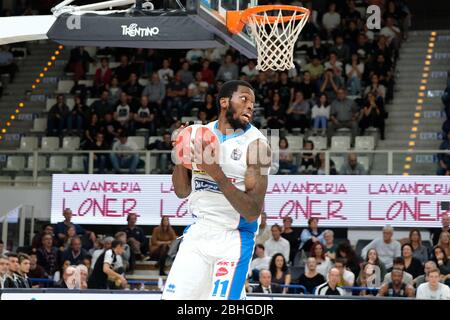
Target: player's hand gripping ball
<point x="196" y="145"/>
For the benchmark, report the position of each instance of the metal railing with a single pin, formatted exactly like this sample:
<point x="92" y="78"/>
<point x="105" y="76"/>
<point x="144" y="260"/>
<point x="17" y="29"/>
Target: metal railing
<point x="146" y="156"/>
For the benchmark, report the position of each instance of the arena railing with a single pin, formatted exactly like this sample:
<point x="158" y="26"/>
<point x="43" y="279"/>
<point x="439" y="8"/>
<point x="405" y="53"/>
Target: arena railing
<point x="390" y="158"/>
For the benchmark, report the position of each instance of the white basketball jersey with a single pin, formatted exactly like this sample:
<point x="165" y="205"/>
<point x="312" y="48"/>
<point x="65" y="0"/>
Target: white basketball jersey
<point x="206" y="202"/>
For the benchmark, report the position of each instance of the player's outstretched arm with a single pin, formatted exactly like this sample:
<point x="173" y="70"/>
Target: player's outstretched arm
<point x="181" y="181"/>
<point x="249" y="203"/>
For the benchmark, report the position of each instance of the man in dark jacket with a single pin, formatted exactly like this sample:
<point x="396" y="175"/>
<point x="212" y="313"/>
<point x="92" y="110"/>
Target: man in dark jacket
<point x="265" y="285"/>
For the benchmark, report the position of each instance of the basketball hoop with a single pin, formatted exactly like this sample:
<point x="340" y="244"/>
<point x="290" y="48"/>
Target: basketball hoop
<point x="273" y="31"/>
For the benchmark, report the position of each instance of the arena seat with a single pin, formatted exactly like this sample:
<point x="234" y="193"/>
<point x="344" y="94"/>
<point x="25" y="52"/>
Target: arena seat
<point x="15" y="163"/>
<point x="5" y="180"/>
<point x="77" y="164"/>
<point x="295" y="142"/>
<point x="87" y="83"/>
<point x="41" y="164"/>
<point x="64" y="86"/>
<point x="320" y="143"/>
<point x="57" y="163"/>
<point x="50" y="143"/>
<point x="23" y="180"/>
<point x="364" y="143"/>
<point x="43" y="181"/>
<point x="338" y="161"/>
<point x="360" y="244"/>
<point x="340" y="143"/>
<point x="28" y="143"/>
<point x="39" y="125"/>
<point x="71" y="143"/>
<point x="139" y="140"/>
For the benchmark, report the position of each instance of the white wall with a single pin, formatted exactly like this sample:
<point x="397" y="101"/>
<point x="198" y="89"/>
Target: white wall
<point x="39" y="198"/>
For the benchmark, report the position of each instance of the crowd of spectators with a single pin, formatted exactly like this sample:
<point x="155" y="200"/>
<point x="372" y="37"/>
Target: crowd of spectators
<point x="66" y="255"/>
<point x="344" y="83"/>
<point x="384" y="267"/>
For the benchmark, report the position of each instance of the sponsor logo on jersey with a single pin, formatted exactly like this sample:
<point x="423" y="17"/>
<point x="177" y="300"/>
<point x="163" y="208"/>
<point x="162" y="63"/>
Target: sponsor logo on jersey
<point x="222" y="263"/>
<point x="221" y="272"/>
<point x="236" y="154"/>
<point x="171" y="288"/>
<point x="200" y="185"/>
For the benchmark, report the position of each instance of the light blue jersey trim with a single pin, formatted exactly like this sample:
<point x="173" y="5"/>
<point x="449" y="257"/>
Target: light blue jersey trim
<point x="223" y="137"/>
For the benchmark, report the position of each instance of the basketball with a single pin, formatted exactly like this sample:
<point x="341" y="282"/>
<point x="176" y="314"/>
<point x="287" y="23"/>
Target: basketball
<point x="196" y="141"/>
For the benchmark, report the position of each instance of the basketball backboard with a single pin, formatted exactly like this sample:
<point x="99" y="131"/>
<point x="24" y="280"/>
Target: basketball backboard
<point x="213" y="13"/>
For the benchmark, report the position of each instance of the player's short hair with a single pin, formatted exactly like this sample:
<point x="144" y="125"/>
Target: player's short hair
<point x="230" y="87"/>
<point x="117" y="243"/>
<point x="23" y="257"/>
<point x="276" y="226"/>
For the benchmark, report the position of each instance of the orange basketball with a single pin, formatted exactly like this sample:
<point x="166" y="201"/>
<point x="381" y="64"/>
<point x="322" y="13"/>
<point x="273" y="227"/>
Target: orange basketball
<point x="196" y="142"/>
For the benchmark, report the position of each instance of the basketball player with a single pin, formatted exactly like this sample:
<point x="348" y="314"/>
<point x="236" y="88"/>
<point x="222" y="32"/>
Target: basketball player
<point x="226" y="199"/>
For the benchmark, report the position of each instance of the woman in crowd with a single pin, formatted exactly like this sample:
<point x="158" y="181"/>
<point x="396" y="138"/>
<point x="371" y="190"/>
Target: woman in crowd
<point x="290" y="235"/>
<point x="280" y="272"/>
<point x="286" y="159"/>
<point x="323" y="262"/>
<point x="412" y="265"/>
<point x="346" y="251"/>
<point x="419" y="251"/>
<point x="319" y="165"/>
<point x="329" y="244"/>
<point x="372" y="258"/>
<point x="372" y="115"/>
<point x="369" y="277"/>
<point x="444" y="242"/>
<point x="311" y="278"/>
<point x="162" y="238"/>
<point x="320" y="114"/>
<point x="442" y="262"/>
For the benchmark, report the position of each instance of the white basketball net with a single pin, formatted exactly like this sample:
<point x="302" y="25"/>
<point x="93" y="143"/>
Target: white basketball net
<point x="275" y="41"/>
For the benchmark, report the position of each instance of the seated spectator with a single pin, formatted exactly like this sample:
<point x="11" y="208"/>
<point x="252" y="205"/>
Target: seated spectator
<point x="323" y="263"/>
<point x="369" y="277"/>
<point x="124" y="160"/>
<point x="330" y="287"/>
<point x="279" y="271"/>
<point x="319" y="165"/>
<point x="399" y="263"/>
<point x="443" y="264"/>
<point x="265" y="283"/>
<point x="176" y="95"/>
<point x="114" y="91"/>
<point x="7" y="64"/>
<point x="392" y="33"/>
<point x="264" y="231"/>
<point x="75" y="254"/>
<point x="413" y="266"/>
<point x="110" y="128"/>
<point x="263" y="89"/>
<point x="36" y="271"/>
<point x="286" y="158"/>
<point x="48" y="256"/>
<point x="163" y="163"/>
<point x="310" y="235"/>
<point x="100" y="159"/>
<point x="420" y="252"/>
<point x="209" y="107"/>
<point x="340" y="49"/>
<point x="397" y="287"/>
<point x="123" y="113"/>
<point x="57" y="117"/>
<point x="329" y="244"/>
<point x="277" y="244"/>
<point x="108" y="269"/>
<point x="307" y="159"/>
<point x="37" y="242"/>
<point x="3" y="269"/>
<point x="334" y="65"/>
<point x="318" y="50"/>
<point x="307" y="86"/>
<point x="155" y="91"/>
<point x="377" y="89"/>
<point x="372" y="115"/>
<point x="77" y="117"/>
<point x="310" y="279"/>
<point x="290" y="235"/>
<point x="102" y="107"/>
<point x="133" y="88"/>
<point x="24" y="269"/>
<point x="433" y="289"/>
<point x="345" y="250"/>
<point x="2" y="248"/>
<point x="123" y="71"/>
<point x="70" y="234"/>
<point x="186" y="74"/>
<point x="372" y="258"/>
<point x="83" y="273"/>
<point x="103" y="74"/>
<point x="444" y="243"/>
<point x="61" y="230"/>
<point x="207" y="73"/>
<point x="331" y="20"/>
<point x="12" y="277"/>
<point x="298" y="113"/>
<point x="388" y="249"/>
<point x="107" y="243"/>
<point x="68" y="279"/>
<point x="445" y="221"/>
<point x="228" y="70"/>
<point x="162" y="237"/>
<point x="315" y="68"/>
<point x="165" y="73"/>
<point x="354" y="72"/>
<point x="135" y="237"/>
<point x="429" y="265"/>
<point x="320" y="114"/>
<point x="195" y="56"/>
<point x="347" y="278"/>
<point x="344" y="113"/>
<point x="329" y="84"/>
<point x="197" y="90"/>
<point x="352" y="166"/>
<point x="250" y="70"/>
<point x="91" y="131"/>
<point x="259" y="262"/>
<point x="78" y="63"/>
<point x="275" y="113"/>
<point x="126" y="255"/>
